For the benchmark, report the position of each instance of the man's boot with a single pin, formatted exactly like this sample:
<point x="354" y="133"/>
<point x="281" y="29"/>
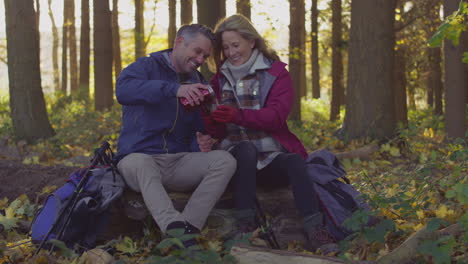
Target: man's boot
<point x="318" y="236"/>
<point x="188" y="229"/>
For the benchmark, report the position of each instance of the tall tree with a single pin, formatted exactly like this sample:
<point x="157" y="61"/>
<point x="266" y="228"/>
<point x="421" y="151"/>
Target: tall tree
<point x="186" y="11"/>
<point x="65" y="32"/>
<point x="296" y="58"/>
<point x="38" y="19"/>
<point x="209" y="12"/>
<point x="55" y="43"/>
<point x="85" y="50"/>
<point x="399" y="69"/>
<point x="314" y="51"/>
<point x="337" y="61"/>
<point x="117" y="58"/>
<point x="171" y="32"/>
<point x="434" y="57"/>
<point x="243" y="7"/>
<point x="27" y="104"/>
<point x="73" y="51"/>
<point x="370" y="97"/>
<point x="140" y="46"/>
<point x="455" y="82"/>
<point x="103" y="92"/>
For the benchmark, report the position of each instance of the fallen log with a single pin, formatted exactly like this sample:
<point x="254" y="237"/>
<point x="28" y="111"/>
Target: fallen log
<point x="409" y="249"/>
<point x="252" y="255"/>
<point x="363" y="153"/>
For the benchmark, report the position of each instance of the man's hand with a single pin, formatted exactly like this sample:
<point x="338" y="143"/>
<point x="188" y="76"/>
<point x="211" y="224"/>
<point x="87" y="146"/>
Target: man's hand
<point x="192" y="93"/>
<point x="205" y="142"/>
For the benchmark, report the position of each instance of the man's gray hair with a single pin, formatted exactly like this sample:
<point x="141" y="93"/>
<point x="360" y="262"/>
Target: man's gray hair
<point x="191" y="31"/>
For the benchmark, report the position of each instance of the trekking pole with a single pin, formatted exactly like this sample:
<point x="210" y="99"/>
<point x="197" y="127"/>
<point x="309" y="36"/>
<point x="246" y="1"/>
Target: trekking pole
<point x="265" y="226"/>
<point x="98" y="157"/>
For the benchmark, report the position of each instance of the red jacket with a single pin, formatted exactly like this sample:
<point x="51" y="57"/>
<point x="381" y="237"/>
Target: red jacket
<point x="277" y="96"/>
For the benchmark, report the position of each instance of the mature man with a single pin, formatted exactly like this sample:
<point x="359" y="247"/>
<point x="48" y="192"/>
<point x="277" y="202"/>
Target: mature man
<point x="160" y="142"/>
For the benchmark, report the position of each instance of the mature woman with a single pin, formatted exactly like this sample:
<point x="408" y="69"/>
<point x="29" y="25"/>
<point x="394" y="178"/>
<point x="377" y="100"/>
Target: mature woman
<point x="255" y="95"/>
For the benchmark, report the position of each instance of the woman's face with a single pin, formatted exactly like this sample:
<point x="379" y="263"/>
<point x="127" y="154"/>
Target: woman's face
<point x="236" y="49"/>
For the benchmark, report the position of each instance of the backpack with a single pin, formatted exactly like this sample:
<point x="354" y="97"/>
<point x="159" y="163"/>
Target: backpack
<point x="78" y="223"/>
<point x="338" y="200"/>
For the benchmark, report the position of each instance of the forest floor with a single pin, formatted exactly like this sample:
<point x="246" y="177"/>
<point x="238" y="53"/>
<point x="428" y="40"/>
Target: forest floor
<point x="417" y="181"/>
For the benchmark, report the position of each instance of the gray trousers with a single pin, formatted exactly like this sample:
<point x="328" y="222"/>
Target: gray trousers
<point x="205" y="173"/>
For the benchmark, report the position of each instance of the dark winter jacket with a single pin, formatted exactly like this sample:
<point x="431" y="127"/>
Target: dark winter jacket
<point x="153" y="120"/>
<point x="276" y="99"/>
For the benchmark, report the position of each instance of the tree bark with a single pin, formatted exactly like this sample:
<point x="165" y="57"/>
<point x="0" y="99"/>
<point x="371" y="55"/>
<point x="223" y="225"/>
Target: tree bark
<point x="55" y="44"/>
<point x="27" y="104"/>
<point x="209" y="12"/>
<point x="370" y="109"/>
<point x="117" y="58"/>
<point x="103" y="92"/>
<point x="455" y="85"/>
<point x="337" y="61"/>
<point x="401" y="107"/>
<point x="65" y="32"/>
<point x="296" y="58"/>
<point x="140" y="47"/>
<point x="243" y="7"/>
<point x="186" y="11"/>
<point x="171" y="32"/>
<point x="434" y="58"/>
<point x="73" y="52"/>
<point x="38" y="19"/>
<point x="314" y="51"/>
<point x="85" y="50"/>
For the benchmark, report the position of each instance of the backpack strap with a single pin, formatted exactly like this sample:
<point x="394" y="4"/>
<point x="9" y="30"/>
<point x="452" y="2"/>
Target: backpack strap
<point x="342" y="197"/>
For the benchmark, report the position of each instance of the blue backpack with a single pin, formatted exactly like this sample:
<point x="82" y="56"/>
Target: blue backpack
<point x="77" y="223"/>
<point x="338" y="199"/>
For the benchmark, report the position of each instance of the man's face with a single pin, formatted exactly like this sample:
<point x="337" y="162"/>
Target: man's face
<point x="190" y="53"/>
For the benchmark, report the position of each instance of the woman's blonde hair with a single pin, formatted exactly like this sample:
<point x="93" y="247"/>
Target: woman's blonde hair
<point x="244" y="27"/>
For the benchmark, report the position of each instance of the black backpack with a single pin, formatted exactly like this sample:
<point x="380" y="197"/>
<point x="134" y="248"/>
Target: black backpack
<point x="338" y="199"/>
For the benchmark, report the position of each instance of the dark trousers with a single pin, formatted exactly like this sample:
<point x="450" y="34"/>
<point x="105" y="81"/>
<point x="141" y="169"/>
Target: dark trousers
<point x="285" y="169"/>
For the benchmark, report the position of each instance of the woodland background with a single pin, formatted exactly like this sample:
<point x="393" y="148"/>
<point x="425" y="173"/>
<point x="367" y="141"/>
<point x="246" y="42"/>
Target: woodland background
<point x="382" y="83"/>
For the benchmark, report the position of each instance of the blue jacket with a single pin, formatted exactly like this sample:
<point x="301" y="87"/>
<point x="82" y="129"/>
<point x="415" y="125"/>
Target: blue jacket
<point x="153" y="119"/>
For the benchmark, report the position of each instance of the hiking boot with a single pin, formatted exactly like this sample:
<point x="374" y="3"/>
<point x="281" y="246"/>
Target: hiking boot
<point x="244" y="225"/>
<point x="318" y="236"/>
<point x="188" y="229"/>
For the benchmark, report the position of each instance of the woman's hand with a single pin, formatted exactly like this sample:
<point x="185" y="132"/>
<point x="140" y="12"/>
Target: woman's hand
<point x="225" y="114"/>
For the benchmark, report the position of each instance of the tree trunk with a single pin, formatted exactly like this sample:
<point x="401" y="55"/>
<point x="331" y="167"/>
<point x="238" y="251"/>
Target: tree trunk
<point x="314" y="51"/>
<point x="296" y="58"/>
<point x="337" y="61"/>
<point x="117" y="58"/>
<point x="434" y="70"/>
<point x="171" y="32"/>
<point x="243" y="7"/>
<point x="103" y="92"/>
<point x="209" y="12"/>
<point x="140" y="47"/>
<point x="455" y="86"/>
<point x="434" y="80"/>
<point x="55" y="43"/>
<point x="65" y="32"/>
<point x="401" y="107"/>
<point x="28" y="109"/>
<point x="85" y="50"/>
<point x="73" y="52"/>
<point x="186" y="11"/>
<point x="38" y="19"/>
<point x="370" y="109"/>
